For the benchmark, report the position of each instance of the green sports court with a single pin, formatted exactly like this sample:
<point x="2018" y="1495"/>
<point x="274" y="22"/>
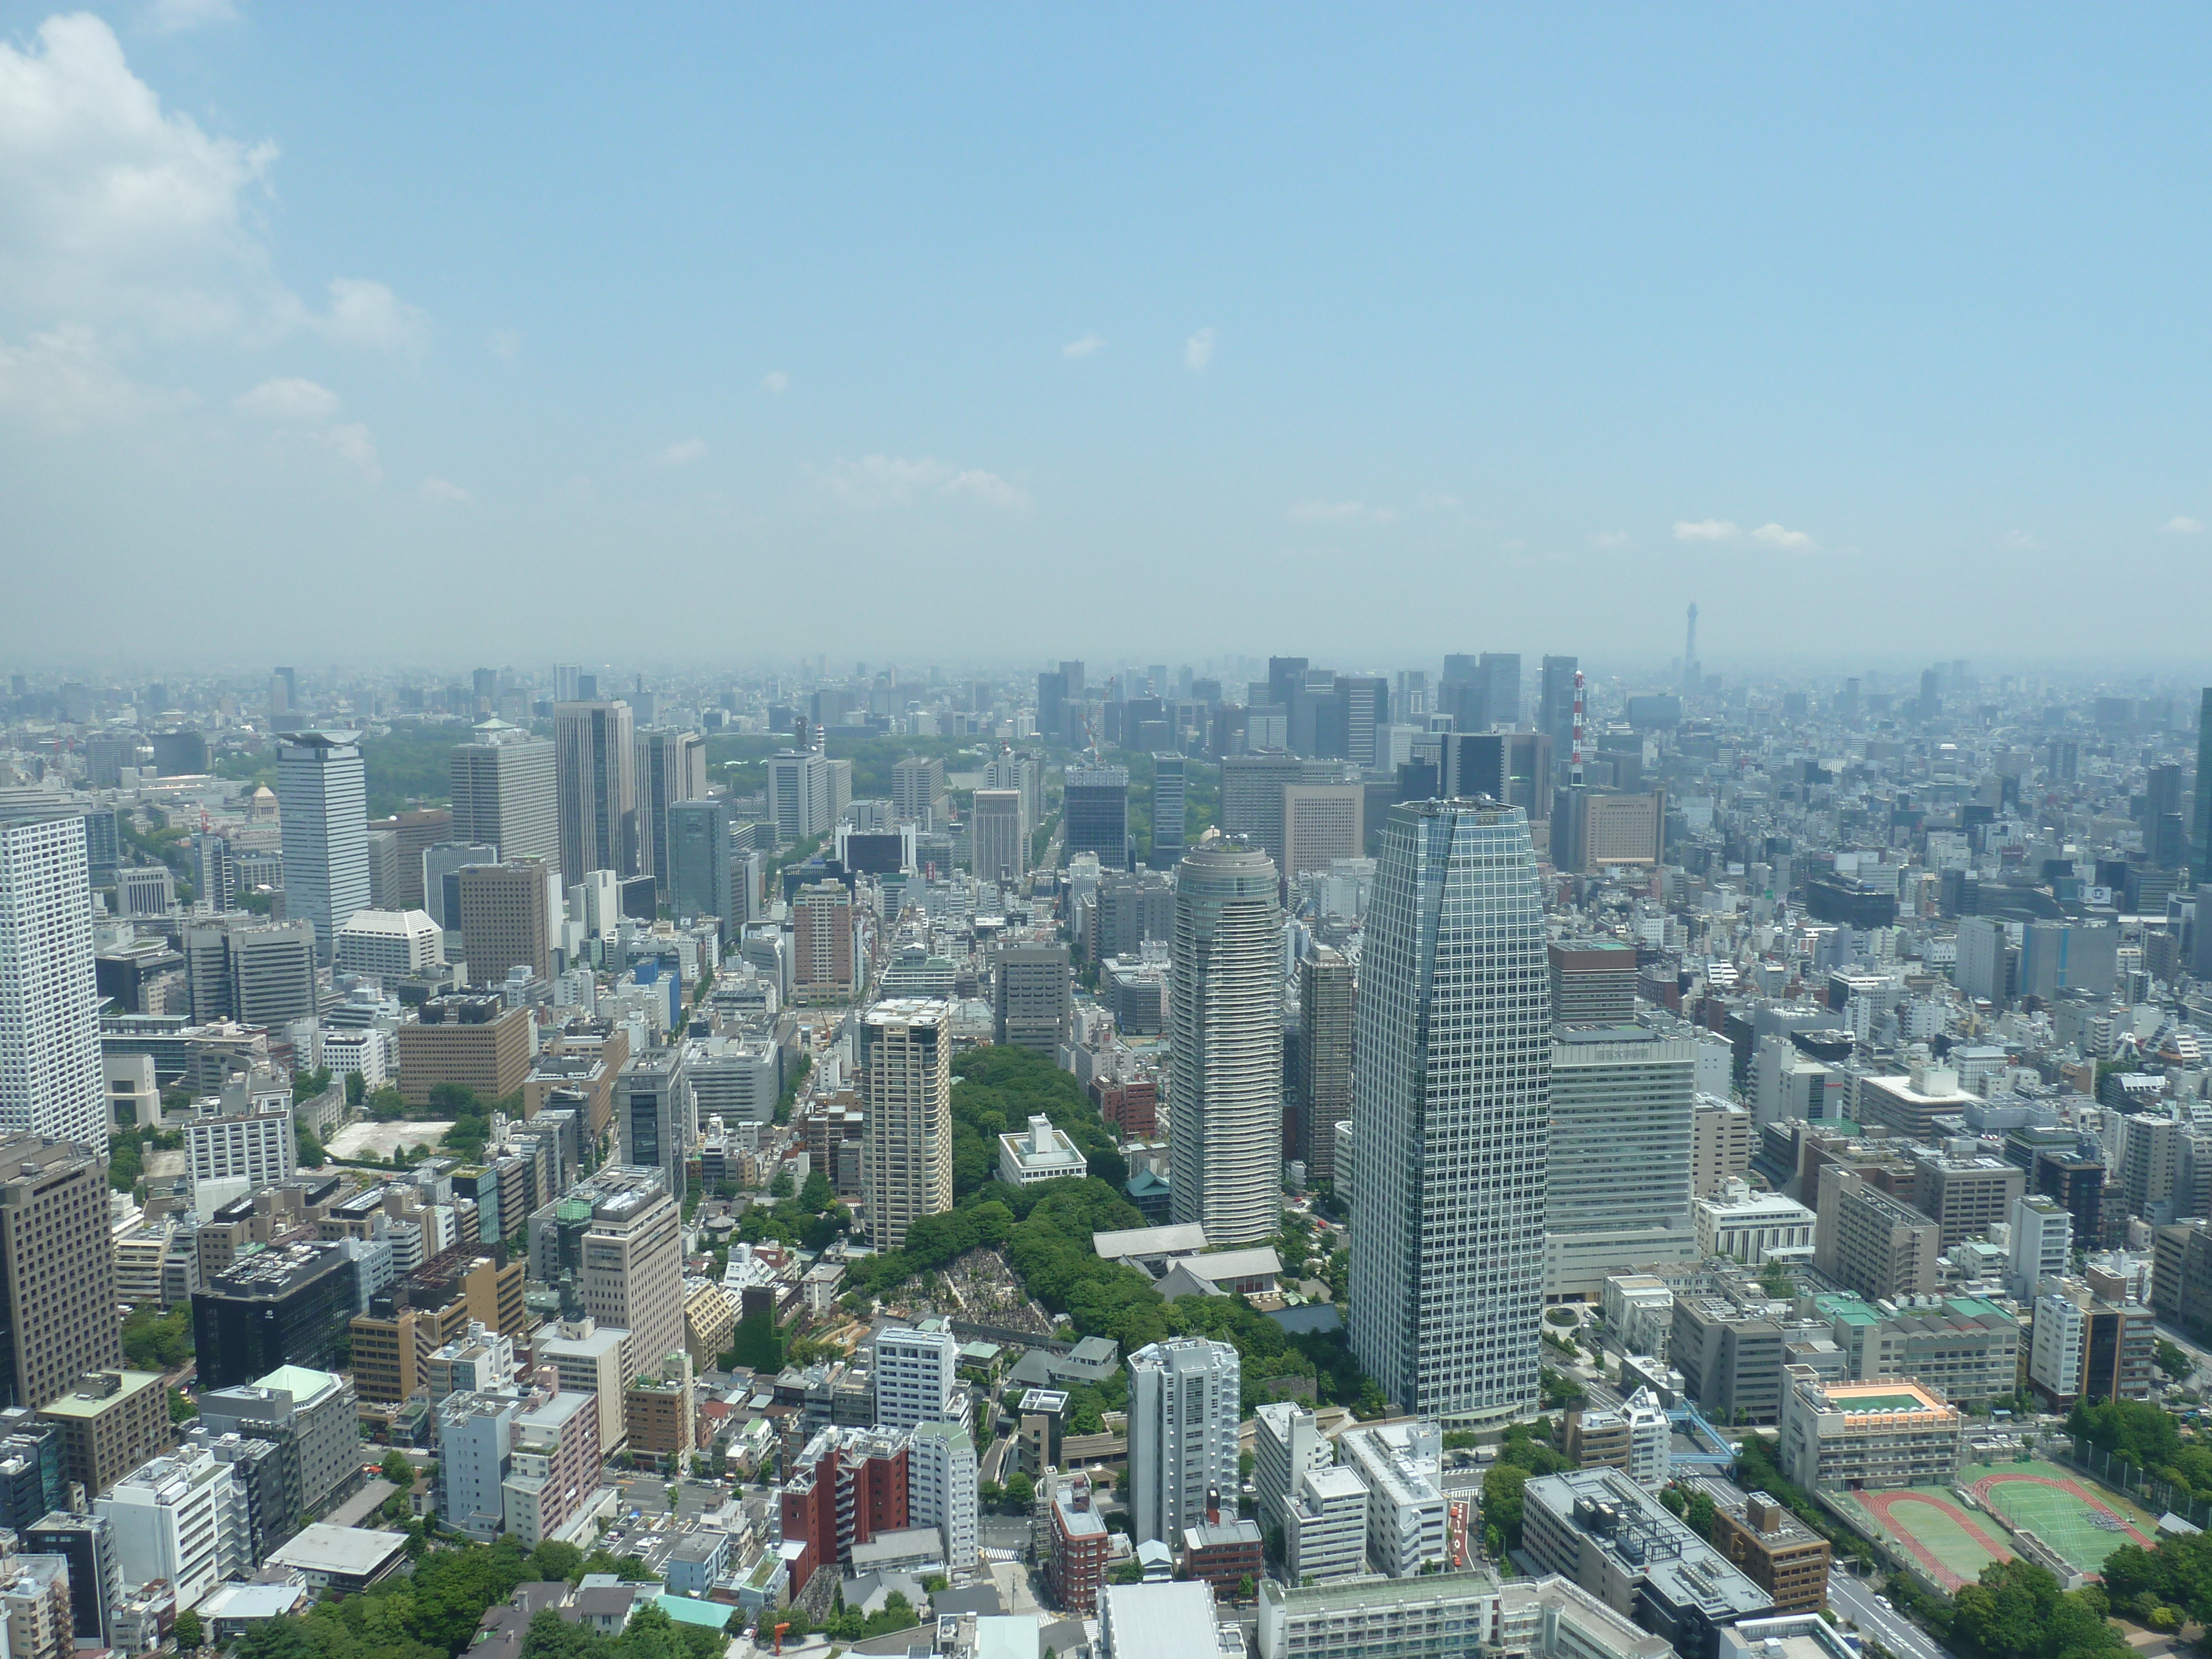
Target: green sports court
<point x="2082" y="1522"/>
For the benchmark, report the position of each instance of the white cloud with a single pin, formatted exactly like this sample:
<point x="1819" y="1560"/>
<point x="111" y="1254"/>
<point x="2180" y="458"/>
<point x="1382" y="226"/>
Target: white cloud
<point x="1083" y="347"/>
<point x="506" y="343"/>
<point x="180" y="16"/>
<point x="444" y="490"/>
<point x="1610" y="541"/>
<point x="1324" y="512"/>
<point x="287" y="399"/>
<point x="2183" y="526"/>
<point x="681" y="453"/>
<point x="1198" y="350"/>
<point x="876" y="482"/>
<point x="371" y="317"/>
<point x="777" y="381"/>
<point x="120" y="216"/>
<point x="2019" y="541"/>
<point x="1788" y="541"/>
<point x="1704" y="530"/>
<point x="352" y="444"/>
<point x="66" y="379"/>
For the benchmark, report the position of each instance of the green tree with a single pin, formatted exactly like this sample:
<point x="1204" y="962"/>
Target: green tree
<point x="311" y="1156"/>
<point x="2173" y="1361"/>
<point x="181" y="1409"/>
<point x="1502" y="1487"/>
<point x="188" y="1632"/>
<point x="1021" y="1490"/>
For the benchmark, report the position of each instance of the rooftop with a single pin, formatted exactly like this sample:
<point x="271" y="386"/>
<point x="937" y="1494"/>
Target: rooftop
<point x="345" y="1551"/>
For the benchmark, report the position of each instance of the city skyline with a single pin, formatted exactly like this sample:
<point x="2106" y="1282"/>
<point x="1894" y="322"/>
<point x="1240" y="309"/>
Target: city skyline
<point x="1558" y="342"/>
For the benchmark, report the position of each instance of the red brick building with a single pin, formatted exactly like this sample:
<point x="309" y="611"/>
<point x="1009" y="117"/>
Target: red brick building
<point x="1132" y="1107"/>
<point x="1075" y="1563"/>
<point x="848" y="1486"/>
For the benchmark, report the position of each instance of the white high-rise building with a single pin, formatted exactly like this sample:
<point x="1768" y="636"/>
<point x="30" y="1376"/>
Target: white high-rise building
<point x="1623" y="1116"/>
<point x="1451" y="1090"/>
<point x="2042" y="1243"/>
<point x="1185" y="1399"/>
<point x="181" y="1518"/>
<point x="241" y="1153"/>
<point x="798" y="793"/>
<point x="917" y="1378"/>
<point x="1402" y="1466"/>
<point x="998" y="849"/>
<point x="940" y="1487"/>
<point x="1287" y="1441"/>
<point x="50" y="1081"/>
<point x="906" y="1090"/>
<point x="1226" y="1039"/>
<point x="322" y="808"/>
<point x="387" y="945"/>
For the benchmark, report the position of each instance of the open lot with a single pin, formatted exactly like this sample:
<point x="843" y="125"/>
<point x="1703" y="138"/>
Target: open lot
<point x="380" y="1141"/>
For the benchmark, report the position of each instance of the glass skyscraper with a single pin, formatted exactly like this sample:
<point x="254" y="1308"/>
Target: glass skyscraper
<point x="1451" y="1088"/>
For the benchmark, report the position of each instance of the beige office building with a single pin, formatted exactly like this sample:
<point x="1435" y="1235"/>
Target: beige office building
<point x="506" y="919"/>
<point x="1323" y="822"/>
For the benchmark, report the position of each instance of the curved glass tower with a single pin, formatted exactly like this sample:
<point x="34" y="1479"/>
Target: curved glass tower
<point x="1451" y="1086"/>
<point x="1225" y="1034"/>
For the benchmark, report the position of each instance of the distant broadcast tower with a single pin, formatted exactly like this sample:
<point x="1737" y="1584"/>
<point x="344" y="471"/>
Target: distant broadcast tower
<point x="1689" y="676"/>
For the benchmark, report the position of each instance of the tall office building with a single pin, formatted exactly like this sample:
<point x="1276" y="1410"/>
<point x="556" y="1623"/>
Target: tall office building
<point x="506" y="918"/>
<point x="940" y="1487"/>
<point x="322" y="805"/>
<point x="214" y="872"/>
<point x="50" y="1081"/>
<point x="1171" y="781"/>
<point x="595" y="787"/>
<point x="504" y="796"/>
<point x="654" y="1122"/>
<point x="906" y="1090"/>
<point x="630" y="1260"/>
<point x="272" y="973"/>
<point x="672" y="766"/>
<point x="412" y="833"/>
<point x="1500" y="672"/>
<point x="1031" y="996"/>
<point x="1555" y="710"/>
<point x="1451" y="1093"/>
<point x="441" y="887"/>
<point x="2201" y="829"/>
<point x="1095" y="808"/>
<point x="1052" y="704"/>
<point x="699" y="881"/>
<point x="1323" y="1096"/>
<point x="1226" y="1037"/>
<point x="57" y="1268"/>
<point x="826" y="966"/>
<point x="998" y="849"/>
<point x="1363" y="712"/>
<point x="1623" y="1116"/>
<point x="918" y="787"/>
<point x="798" y="793"/>
<point x="1185" y="1401"/>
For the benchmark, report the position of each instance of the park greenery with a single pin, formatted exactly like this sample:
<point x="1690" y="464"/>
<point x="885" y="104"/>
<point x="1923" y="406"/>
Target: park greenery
<point x="157" y="1341"/>
<point x="1525" y="1453"/>
<point x="2017" y="1611"/>
<point x="2165" y="1586"/>
<point x="127" y="1146"/>
<point x="2148" y="1438"/>
<point x="432" y="1613"/>
<point x="1045" y="1231"/>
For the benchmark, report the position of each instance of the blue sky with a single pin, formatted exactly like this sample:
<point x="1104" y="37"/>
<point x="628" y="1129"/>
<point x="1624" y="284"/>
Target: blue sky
<point x="936" y="333"/>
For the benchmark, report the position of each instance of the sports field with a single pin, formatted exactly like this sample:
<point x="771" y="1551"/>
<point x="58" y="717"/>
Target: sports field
<point x="1948" y="1539"/>
<point x="2082" y="1522"/>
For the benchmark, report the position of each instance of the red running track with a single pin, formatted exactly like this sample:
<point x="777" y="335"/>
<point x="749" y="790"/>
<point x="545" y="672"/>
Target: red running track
<point x="1879" y="1503"/>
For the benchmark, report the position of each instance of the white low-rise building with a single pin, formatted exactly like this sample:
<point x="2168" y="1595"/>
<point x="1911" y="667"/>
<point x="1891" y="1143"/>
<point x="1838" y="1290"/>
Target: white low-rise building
<point x="1325" y="1526"/>
<point x="1402" y="1466"/>
<point x="387" y="945"/>
<point x="1749" y="1227"/>
<point x="1040" y="1153"/>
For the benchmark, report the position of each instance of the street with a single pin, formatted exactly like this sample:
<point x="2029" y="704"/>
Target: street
<point x="1852" y="1599"/>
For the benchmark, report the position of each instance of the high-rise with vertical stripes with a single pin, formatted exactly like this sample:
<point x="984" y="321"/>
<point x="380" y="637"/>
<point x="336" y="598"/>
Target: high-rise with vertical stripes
<point x="51" y="1082"/>
<point x="322" y="806"/>
<point x="1451" y="1088"/>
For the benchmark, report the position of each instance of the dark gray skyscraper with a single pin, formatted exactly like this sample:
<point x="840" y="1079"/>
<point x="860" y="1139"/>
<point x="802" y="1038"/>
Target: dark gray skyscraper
<point x="1555" y="709"/>
<point x="1096" y="808"/>
<point x="1324" y="1082"/>
<point x="1451" y="1083"/>
<point x="1225" y="1038"/>
<point x="698" y="881"/>
<point x="595" y="773"/>
<point x="1168" y="778"/>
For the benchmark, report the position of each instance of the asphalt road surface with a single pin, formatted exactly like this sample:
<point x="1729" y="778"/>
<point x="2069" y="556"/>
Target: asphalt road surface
<point x="1853" y="1599"/>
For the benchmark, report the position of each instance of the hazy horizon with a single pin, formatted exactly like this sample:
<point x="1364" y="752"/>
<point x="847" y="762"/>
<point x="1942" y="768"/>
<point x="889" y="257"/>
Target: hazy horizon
<point x="333" y="335"/>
